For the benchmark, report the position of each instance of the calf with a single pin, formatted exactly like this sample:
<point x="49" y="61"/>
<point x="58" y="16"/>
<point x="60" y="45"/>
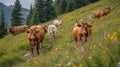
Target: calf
<point x="52" y="29"/>
<point x="81" y="32"/>
<point x="100" y="13"/>
<point x="17" y="29"/>
<point x="36" y="36"/>
<point x="57" y="22"/>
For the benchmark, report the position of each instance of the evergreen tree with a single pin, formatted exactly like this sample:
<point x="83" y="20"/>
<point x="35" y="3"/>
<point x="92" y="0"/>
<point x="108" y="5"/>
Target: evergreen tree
<point x="2" y="25"/>
<point x="69" y="6"/>
<point x="34" y="17"/>
<point x="29" y="16"/>
<point x="16" y="14"/>
<point x="62" y="7"/>
<point x="49" y="10"/>
<point x="56" y="6"/>
<point x="39" y="11"/>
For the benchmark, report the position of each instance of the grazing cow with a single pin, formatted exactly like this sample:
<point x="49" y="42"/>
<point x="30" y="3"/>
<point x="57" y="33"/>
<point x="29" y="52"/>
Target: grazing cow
<point x="57" y="22"/>
<point x="35" y="36"/>
<point x="52" y="29"/>
<point x="100" y="13"/>
<point x="17" y="29"/>
<point x="81" y="32"/>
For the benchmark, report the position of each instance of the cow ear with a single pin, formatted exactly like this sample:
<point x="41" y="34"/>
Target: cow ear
<point x="27" y="31"/>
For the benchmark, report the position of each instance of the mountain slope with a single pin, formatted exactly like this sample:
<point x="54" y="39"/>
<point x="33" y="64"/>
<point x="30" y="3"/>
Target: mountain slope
<point x="8" y="10"/>
<point x="102" y="49"/>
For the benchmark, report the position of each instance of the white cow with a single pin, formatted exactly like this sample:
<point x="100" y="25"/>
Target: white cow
<point x="57" y="22"/>
<point x="52" y="29"/>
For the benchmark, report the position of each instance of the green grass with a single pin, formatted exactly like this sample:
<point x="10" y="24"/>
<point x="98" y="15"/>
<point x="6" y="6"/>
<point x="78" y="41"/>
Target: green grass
<point x="100" y="51"/>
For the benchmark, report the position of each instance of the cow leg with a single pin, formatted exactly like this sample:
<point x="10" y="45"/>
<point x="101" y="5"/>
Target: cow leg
<point x="37" y="48"/>
<point x="41" y="43"/>
<point x="32" y="51"/>
<point x="50" y="39"/>
<point x="75" y="39"/>
<point x="84" y="38"/>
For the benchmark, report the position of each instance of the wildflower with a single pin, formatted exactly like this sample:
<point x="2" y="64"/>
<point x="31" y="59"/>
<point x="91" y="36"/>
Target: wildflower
<point x="94" y="46"/>
<point x="119" y="29"/>
<point x="89" y="57"/>
<point x="36" y="62"/>
<point x="114" y="36"/>
<point x="80" y="65"/>
<point x="13" y="66"/>
<point x="100" y="44"/>
<point x="52" y="53"/>
<point x="56" y="49"/>
<point x="74" y="65"/>
<point x="4" y="56"/>
<point x="82" y="56"/>
<point x="108" y="35"/>
<point x="104" y="51"/>
<point x="90" y="47"/>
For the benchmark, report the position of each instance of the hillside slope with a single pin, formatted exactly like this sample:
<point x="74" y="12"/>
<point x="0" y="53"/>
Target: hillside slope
<point x="102" y="49"/>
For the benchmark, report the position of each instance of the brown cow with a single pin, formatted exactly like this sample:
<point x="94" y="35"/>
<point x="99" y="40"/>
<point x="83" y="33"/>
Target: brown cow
<point x="81" y="32"/>
<point x="100" y="13"/>
<point x="36" y="36"/>
<point x="17" y="29"/>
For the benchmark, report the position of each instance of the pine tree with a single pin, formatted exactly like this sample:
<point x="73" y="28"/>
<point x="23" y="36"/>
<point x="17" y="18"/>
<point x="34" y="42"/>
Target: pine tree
<point x="16" y="14"/>
<point x="69" y="6"/>
<point x="34" y="18"/>
<point x="39" y="9"/>
<point x="49" y="10"/>
<point x="56" y="6"/>
<point x="62" y="7"/>
<point x="2" y="25"/>
<point x="29" y="16"/>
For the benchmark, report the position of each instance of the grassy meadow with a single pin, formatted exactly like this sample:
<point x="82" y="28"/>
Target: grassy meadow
<point x="101" y="50"/>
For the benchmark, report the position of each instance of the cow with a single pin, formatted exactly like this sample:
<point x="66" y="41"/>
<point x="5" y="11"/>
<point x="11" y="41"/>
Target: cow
<point x="81" y="32"/>
<point x="57" y="22"/>
<point x="100" y="13"/>
<point x="52" y="29"/>
<point x="14" y="30"/>
<point x="35" y="36"/>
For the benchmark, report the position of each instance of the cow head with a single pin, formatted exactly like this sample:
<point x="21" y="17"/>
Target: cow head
<point x="32" y="34"/>
<point x="107" y="10"/>
<point x="86" y="27"/>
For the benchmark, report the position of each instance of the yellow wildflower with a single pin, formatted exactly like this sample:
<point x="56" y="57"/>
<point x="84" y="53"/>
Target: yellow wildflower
<point x="104" y="51"/>
<point x="36" y="62"/>
<point x="90" y="47"/>
<point x="89" y="57"/>
<point x="80" y="65"/>
<point x="115" y="38"/>
<point x="4" y="56"/>
<point x="82" y="56"/>
<point x="119" y="29"/>
<point x="56" y="49"/>
<point x="52" y="53"/>
<point x="74" y="65"/>
<point x="94" y="46"/>
<point x="107" y="49"/>
<point x="108" y="35"/>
